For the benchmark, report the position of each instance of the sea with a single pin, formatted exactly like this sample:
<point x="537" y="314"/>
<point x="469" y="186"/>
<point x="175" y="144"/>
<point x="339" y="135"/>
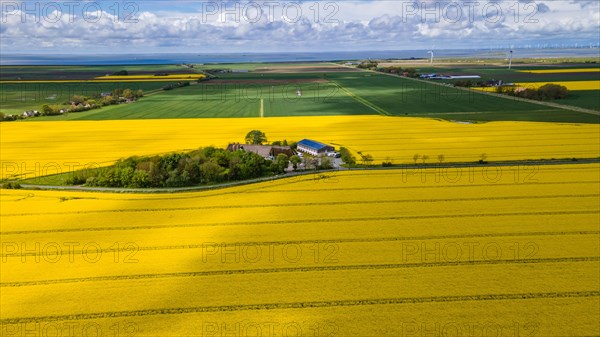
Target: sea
<point x="212" y="58"/>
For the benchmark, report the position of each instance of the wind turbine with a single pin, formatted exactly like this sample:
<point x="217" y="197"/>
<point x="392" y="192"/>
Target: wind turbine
<point x="510" y="58"/>
<point x="431" y="60"/>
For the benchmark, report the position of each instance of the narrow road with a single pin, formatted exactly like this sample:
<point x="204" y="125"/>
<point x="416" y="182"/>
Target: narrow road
<point x="262" y="108"/>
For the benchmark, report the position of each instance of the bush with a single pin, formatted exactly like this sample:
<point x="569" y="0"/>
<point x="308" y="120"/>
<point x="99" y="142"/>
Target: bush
<point x="552" y="91"/>
<point x="11" y="185"/>
<point x="326" y="163"/>
<point x="546" y="92"/>
<point x="463" y="83"/>
<point x="347" y="157"/>
<point x="77" y="178"/>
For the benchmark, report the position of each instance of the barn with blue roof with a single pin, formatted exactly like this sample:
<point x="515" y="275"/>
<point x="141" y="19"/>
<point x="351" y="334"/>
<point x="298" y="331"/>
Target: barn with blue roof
<point x="313" y="147"/>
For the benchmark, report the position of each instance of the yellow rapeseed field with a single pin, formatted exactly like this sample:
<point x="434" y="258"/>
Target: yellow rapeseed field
<point x="349" y="253"/>
<point x="170" y="77"/>
<point x="571" y="85"/>
<point x="39" y="148"/>
<point x="561" y="71"/>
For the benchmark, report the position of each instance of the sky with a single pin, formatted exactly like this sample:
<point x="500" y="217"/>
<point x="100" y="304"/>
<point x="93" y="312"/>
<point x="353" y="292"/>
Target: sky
<point x="116" y="26"/>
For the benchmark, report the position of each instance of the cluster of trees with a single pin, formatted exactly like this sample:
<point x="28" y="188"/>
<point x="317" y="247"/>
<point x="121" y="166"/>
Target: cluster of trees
<point x="175" y="85"/>
<point x="52" y="109"/>
<point x="368" y="64"/>
<point x="467" y="83"/>
<point x="546" y="92"/>
<point x="407" y="72"/>
<point x="204" y="166"/>
<point x="79" y="103"/>
<point x="121" y="73"/>
<point x="218" y="71"/>
<point x="208" y="165"/>
<point x="127" y="93"/>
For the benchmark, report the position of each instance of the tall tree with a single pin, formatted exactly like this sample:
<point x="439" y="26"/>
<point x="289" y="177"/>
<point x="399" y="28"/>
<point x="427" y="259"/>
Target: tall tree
<point x="256" y="137"/>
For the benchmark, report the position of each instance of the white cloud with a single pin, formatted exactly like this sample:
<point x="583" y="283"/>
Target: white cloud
<point x="341" y="25"/>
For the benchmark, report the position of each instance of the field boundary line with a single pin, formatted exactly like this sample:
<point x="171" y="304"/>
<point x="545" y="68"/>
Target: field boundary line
<point x="267" y="189"/>
<point x="299" y="221"/>
<point x="320" y="241"/>
<point x="302" y="269"/>
<point x="325" y="203"/>
<point x="301" y="305"/>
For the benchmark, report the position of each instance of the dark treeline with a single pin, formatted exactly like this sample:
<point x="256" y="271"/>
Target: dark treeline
<point x="204" y="166"/>
<point x="406" y="72"/>
<point x="546" y="92"/>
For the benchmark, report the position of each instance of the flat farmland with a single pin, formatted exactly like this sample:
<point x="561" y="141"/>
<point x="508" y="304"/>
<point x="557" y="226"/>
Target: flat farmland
<point x="276" y="67"/>
<point x="323" y="94"/>
<point x="18" y="97"/>
<point x="237" y="98"/>
<point x="583" y="80"/>
<point x="394" y="96"/>
<point x="343" y="253"/>
<point x="60" y="144"/>
<point x="585" y="98"/>
<point x="400" y="96"/>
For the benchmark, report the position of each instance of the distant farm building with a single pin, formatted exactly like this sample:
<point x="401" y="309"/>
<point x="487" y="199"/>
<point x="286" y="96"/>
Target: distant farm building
<point x="313" y="147"/>
<point x="448" y="77"/>
<point x="265" y="151"/>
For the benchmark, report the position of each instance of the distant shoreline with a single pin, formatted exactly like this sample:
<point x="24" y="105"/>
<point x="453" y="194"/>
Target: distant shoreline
<point x="48" y="59"/>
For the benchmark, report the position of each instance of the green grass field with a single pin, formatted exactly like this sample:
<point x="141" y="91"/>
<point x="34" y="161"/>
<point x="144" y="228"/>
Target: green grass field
<point x="272" y="94"/>
<point x="583" y="99"/>
<point x="18" y="97"/>
<point x="400" y="96"/>
<point x="589" y="99"/>
<point x="208" y="101"/>
<point x="255" y="66"/>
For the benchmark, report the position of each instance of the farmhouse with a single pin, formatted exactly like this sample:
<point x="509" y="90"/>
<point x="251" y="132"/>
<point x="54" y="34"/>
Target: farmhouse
<point x="265" y="151"/>
<point x="313" y="147"/>
<point x="33" y="113"/>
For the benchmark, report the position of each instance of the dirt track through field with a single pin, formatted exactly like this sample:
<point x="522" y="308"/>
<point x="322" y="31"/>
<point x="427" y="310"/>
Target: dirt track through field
<point x="262" y="108"/>
<point x="293" y="305"/>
